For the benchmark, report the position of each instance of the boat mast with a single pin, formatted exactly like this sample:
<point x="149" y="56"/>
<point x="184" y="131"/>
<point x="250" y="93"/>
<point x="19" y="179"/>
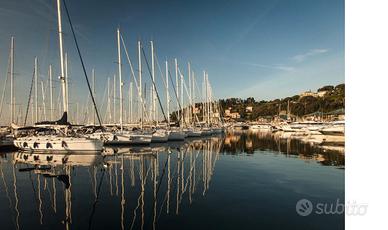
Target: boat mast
<point x="131" y="102"/>
<point x="167" y="97"/>
<point x="67" y="82"/>
<point x="204" y="100"/>
<point x="120" y="80"/>
<point x="114" y="99"/>
<point x="36" y="89"/>
<point x="288" y="110"/>
<point x="43" y="101"/>
<point x="51" y="92"/>
<point x="177" y="88"/>
<point x="62" y="75"/>
<point x="140" y="86"/>
<point x="153" y="97"/>
<point x="208" y="98"/>
<point x="182" y="114"/>
<point x="77" y="113"/>
<point x="12" y="98"/>
<point x="193" y="98"/>
<point x="109" y="113"/>
<point x="93" y="90"/>
<point x="190" y="98"/>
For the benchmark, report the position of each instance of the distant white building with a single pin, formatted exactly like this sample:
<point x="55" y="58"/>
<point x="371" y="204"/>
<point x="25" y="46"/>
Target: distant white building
<point x="235" y="115"/>
<point x="313" y="94"/>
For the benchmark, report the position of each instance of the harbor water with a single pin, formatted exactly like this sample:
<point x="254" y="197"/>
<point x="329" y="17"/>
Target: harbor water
<point x="237" y="180"/>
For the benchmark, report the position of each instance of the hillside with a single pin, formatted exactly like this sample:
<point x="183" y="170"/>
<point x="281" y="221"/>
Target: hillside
<point x="326" y="99"/>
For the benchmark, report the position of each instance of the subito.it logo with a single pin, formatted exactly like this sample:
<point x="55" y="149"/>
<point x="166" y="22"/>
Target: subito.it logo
<point x="304" y="207"/>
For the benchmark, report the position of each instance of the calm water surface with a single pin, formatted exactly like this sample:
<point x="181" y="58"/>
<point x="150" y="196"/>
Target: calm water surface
<point x="239" y="180"/>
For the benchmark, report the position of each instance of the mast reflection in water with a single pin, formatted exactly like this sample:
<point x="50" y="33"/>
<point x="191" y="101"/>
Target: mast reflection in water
<point x="174" y="185"/>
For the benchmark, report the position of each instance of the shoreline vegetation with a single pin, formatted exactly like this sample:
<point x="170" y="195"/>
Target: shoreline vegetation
<point x="328" y="103"/>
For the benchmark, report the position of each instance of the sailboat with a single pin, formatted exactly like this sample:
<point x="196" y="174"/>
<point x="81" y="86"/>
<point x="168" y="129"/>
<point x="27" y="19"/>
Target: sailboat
<point x="55" y="135"/>
<point x="6" y="138"/>
<point x="121" y="136"/>
<point x="159" y="135"/>
<point x="176" y="133"/>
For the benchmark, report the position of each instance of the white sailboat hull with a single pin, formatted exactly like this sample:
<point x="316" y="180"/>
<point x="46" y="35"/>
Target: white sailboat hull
<point x="122" y="138"/>
<point x="54" y="143"/>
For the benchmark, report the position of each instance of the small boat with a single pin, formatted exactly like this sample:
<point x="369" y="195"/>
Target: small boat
<point x="160" y="135"/>
<point x="139" y="138"/>
<point x="191" y="132"/>
<point x="336" y="128"/>
<point x="177" y="135"/>
<point x="333" y="130"/>
<point x="260" y="127"/>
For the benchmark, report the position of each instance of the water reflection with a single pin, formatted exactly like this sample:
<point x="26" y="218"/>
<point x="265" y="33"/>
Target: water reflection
<point x="251" y="142"/>
<point x="141" y="185"/>
<point x="171" y="174"/>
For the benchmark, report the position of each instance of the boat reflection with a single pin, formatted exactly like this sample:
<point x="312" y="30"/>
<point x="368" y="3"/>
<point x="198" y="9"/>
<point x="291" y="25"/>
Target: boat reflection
<point x="149" y="182"/>
<point x="238" y="142"/>
<point x="142" y="185"/>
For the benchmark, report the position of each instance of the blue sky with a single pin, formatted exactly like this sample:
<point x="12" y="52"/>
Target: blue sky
<point x="264" y="49"/>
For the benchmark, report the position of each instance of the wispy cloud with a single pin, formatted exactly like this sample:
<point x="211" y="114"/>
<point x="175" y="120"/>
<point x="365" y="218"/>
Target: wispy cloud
<point x="276" y="67"/>
<point x="310" y="53"/>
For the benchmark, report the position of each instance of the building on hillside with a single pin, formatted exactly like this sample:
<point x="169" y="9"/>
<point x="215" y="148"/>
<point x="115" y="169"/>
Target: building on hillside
<point x="313" y="94"/>
<point x="235" y="115"/>
<point x="229" y="115"/>
<point x="321" y="93"/>
<point x="249" y="109"/>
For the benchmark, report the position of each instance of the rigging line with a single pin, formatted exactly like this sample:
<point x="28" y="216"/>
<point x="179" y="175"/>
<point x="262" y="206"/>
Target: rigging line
<point x="161" y="177"/>
<point x="190" y="175"/>
<point x="5" y="185"/>
<point x="174" y="175"/>
<point x="187" y="93"/>
<point x="96" y="200"/>
<point x="160" y="70"/>
<point x="176" y="95"/>
<point x="161" y="180"/>
<point x="104" y="97"/>
<point x="164" y="82"/>
<point x="29" y="98"/>
<point x="143" y="183"/>
<point x="3" y="95"/>
<point x="33" y="189"/>
<point x="6" y="78"/>
<point x="134" y="77"/>
<point x="82" y="63"/>
<point x="153" y="82"/>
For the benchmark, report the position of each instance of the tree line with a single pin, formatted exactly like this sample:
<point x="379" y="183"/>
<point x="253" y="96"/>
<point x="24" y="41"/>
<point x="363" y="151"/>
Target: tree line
<point x="332" y="100"/>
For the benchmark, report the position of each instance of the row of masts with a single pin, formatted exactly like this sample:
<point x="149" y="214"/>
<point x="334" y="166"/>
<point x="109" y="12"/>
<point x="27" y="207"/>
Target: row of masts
<point x="38" y="103"/>
<point x="185" y="110"/>
<point x="147" y="110"/>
